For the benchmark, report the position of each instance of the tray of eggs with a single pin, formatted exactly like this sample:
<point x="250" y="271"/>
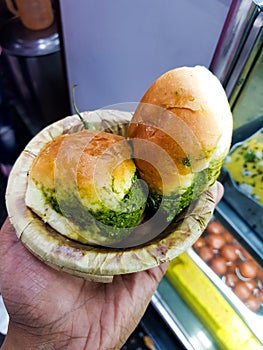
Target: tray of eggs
<point x="233" y="265"/>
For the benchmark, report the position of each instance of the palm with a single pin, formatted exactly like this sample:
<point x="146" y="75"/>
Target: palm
<point x="56" y="305"/>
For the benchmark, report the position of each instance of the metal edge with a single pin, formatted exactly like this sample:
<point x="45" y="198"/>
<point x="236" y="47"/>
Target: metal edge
<point x="232" y="180"/>
<point x="171" y="320"/>
<point x="246" y="60"/>
<point x="252" y="320"/>
<point x="243" y="203"/>
<point x="235" y="30"/>
<point x="240" y="230"/>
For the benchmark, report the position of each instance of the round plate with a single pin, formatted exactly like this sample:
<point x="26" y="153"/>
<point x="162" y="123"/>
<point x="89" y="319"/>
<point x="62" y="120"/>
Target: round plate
<point x="90" y="262"/>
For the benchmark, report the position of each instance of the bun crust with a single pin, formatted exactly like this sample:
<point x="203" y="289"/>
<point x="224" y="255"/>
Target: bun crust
<point x="186" y="114"/>
<point x="74" y="174"/>
<point x="98" y="156"/>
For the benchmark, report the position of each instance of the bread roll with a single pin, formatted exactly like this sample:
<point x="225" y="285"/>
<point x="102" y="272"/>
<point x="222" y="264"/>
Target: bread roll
<point x="181" y="132"/>
<point x="84" y="186"/>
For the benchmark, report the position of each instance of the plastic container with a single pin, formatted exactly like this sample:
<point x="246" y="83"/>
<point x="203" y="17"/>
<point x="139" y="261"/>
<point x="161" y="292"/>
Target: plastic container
<point x="34" y="14"/>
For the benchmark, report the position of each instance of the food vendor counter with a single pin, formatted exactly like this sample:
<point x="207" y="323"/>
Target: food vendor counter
<point x="211" y="296"/>
<point x="205" y="298"/>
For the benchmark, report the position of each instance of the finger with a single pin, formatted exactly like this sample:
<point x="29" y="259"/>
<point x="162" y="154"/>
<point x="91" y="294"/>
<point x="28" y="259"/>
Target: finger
<point x="220" y="192"/>
<point x="158" y="272"/>
<point x="7" y="235"/>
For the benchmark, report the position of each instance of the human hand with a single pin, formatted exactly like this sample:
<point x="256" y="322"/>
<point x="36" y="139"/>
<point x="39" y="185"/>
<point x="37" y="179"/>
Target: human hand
<point x="54" y="310"/>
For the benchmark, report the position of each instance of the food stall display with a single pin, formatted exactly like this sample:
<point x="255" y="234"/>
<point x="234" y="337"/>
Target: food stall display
<point x="211" y="296"/>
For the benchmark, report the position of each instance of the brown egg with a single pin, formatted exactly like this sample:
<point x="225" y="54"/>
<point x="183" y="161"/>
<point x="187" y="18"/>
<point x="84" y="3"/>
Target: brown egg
<point x="253" y="303"/>
<point x="231" y="279"/>
<point x="229" y="252"/>
<point x="199" y="243"/>
<point x="215" y="227"/>
<point x="242" y="290"/>
<point x="260" y="296"/>
<point x="215" y="240"/>
<point x="206" y="253"/>
<point x="228" y="237"/>
<point x="218" y="265"/>
<point x="260" y="276"/>
<point x="245" y="254"/>
<point x="248" y="269"/>
<point x="231" y="266"/>
<point x="252" y="285"/>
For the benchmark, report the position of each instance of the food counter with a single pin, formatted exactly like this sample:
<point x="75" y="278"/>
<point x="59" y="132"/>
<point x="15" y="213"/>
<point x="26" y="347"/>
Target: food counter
<point x="211" y="296"/>
<point x="221" y="284"/>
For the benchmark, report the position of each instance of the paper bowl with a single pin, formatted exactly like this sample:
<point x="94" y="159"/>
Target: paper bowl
<point x="94" y="262"/>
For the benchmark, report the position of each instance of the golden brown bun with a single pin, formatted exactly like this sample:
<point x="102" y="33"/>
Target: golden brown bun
<point x="89" y="150"/>
<point x="76" y="173"/>
<point x="186" y="113"/>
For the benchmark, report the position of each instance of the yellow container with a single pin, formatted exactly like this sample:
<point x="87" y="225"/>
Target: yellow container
<point x="225" y="326"/>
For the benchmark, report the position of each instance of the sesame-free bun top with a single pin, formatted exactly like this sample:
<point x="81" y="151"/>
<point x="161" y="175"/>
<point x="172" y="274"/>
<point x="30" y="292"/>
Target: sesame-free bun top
<point x="181" y="126"/>
<point x="95" y="160"/>
<point x="80" y="180"/>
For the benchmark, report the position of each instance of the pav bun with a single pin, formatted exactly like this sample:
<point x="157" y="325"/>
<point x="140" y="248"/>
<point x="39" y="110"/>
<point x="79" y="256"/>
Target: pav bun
<point x="84" y="186"/>
<point x="181" y="132"/>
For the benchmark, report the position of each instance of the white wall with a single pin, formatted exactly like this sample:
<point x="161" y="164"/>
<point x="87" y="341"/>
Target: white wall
<point x="116" y="48"/>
